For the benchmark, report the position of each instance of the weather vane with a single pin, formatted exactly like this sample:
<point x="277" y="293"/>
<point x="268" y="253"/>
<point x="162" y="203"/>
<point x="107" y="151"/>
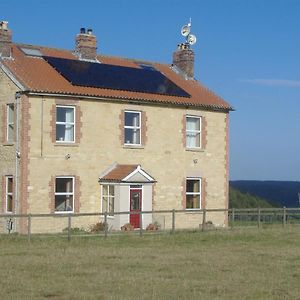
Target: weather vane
<point x="186" y="32"/>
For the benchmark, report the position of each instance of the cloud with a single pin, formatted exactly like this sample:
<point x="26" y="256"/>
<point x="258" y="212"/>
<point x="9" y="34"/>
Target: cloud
<point x="273" y="82"/>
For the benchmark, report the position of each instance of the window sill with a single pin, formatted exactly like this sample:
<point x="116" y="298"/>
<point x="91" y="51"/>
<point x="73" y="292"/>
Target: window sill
<point x="64" y="212"/>
<point x="133" y="147"/>
<point x="8" y="144"/>
<point x="195" y="149"/>
<point x="193" y="210"/>
<point x="66" y="144"/>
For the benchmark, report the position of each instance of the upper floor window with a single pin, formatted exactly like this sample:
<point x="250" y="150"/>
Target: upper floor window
<point x="9" y="194"/>
<point x="64" y="194"/>
<point x="10" y="123"/>
<point x="65" y="124"/>
<point x="132" y="128"/>
<point x="193" y="193"/>
<point x="108" y="198"/>
<point x="193" y="132"/>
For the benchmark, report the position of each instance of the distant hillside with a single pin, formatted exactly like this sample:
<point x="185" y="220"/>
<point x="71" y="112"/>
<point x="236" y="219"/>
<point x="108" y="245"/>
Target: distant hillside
<point x="284" y="193"/>
<point x="238" y="199"/>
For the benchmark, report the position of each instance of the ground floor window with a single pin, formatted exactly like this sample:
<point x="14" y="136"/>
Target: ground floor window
<point x="108" y="198"/>
<point x="9" y="194"/>
<point x="193" y="193"/>
<point x="64" y="194"/>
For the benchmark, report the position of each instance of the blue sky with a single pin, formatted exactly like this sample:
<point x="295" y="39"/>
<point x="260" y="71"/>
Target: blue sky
<point x="247" y="51"/>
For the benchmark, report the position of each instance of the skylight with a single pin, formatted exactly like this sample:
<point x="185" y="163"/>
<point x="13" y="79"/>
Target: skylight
<point x="31" y="51"/>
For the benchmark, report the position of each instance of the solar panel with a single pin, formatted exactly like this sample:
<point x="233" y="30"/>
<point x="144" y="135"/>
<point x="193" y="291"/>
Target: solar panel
<point x="88" y="74"/>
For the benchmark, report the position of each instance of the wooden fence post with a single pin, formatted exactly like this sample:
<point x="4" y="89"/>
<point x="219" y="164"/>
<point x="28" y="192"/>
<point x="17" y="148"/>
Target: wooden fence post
<point x="29" y="227"/>
<point x="141" y="222"/>
<point x="258" y="217"/>
<point x="69" y="227"/>
<point x="173" y="221"/>
<point x="284" y="217"/>
<point x="105" y="225"/>
<point x="232" y="217"/>
<point x="204" y="219"/>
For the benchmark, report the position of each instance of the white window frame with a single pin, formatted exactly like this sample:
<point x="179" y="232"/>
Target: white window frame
<point x="194" y="193"/>
<point x="66" y="123"/>
<point x="194" y="131"/>
<point x="133" y="127"/>
<point x="109" y="198"/>
<point x="65" y="194"/>
<point x="7" y="193"/>
<point x="10" y="122"/>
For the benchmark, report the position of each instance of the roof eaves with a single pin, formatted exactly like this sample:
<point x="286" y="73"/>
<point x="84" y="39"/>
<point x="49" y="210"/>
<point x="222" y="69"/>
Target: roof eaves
<point x="12" y="77"/>
<point x="132" y="99"/>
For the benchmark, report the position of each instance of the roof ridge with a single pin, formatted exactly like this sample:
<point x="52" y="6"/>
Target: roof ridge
<point x="135" y="60"/>
<point x="44" y="47"/>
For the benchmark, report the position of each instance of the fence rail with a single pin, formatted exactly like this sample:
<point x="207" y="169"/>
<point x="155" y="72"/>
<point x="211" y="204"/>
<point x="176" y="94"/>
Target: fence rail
<point x="171" y="220"/>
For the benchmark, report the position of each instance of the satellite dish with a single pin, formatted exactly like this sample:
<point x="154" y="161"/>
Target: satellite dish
<point x="191" y="39"/>
<point x="185" y="30"/>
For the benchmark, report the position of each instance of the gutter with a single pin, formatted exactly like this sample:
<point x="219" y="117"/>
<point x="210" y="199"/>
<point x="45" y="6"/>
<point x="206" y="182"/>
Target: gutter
<point x="131" y="100"/>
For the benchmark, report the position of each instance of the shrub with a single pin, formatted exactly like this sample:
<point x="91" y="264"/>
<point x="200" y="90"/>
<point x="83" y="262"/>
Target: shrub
<point x="127" y="227"/>
<point x="98" y="227"/>
<point x="153" y="226"/>
<point x="75" y="230"/>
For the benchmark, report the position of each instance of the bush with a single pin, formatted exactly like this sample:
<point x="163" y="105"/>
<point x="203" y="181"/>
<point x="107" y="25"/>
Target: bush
<point x="75" y="230"/>
<point x="127" y="227"/>
<point x="98" y="227"/>
<point x="153" y="227"/>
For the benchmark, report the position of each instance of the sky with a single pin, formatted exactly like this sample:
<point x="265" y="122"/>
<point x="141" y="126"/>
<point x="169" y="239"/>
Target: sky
<point x="247" y="52"/>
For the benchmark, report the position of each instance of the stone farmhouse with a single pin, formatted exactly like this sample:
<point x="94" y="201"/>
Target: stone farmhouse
<point x="83" y="132"/>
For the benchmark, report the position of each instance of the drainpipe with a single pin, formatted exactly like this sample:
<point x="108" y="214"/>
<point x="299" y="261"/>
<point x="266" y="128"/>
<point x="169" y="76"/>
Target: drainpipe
<point x="42" y="125"/>
<point x="18" y="154"/>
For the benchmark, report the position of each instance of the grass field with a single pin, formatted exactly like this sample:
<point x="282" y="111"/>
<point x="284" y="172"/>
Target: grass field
<point x="234" y="264"/>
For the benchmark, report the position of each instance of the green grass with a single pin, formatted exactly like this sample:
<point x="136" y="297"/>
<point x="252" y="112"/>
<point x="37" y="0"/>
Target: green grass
<point x="235" y="264"/>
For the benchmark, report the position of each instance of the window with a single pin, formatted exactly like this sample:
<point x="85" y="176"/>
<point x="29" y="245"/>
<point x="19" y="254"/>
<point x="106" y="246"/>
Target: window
<point x="10" y="122"/>
<point x="132" y="128"/>
<point x="193" y="193"/>
<point x="64" y="194"/>
<point x="9" y="194"/>
<point x="108" y="198"/>
<point x="193" y="132"/>
<point x="32" y="52"/>
<point x="65" y="124"/>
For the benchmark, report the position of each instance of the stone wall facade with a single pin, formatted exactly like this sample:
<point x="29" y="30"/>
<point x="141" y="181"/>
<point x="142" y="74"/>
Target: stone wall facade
<point x="163" y="156"/>
<point x="7" y="148"/>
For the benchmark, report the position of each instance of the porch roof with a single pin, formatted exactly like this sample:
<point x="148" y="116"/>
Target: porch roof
<point x="125" y="173"/>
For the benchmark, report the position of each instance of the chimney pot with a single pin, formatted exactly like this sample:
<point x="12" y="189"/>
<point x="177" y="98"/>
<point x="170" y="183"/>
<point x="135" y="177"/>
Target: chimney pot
<point x="183" y="58"/>
<point x="86" y="44"/>
<point x="3" y="25"/>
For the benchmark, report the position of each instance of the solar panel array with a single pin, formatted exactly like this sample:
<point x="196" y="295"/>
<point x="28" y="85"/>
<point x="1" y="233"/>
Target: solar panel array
<point x="89" y="74"/>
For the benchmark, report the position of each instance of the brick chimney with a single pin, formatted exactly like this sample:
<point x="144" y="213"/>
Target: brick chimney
<point x="5" y="40"/>
<point x="86" y="44"/>
<point x="183" y="59"/>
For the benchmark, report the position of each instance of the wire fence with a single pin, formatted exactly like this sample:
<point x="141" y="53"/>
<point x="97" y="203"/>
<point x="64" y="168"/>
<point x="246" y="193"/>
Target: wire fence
<point x="144" y="222"/>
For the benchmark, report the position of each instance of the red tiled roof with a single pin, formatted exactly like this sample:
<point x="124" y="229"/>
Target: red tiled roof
<point x="37" y="76"/>
<point x="119" y="172"/>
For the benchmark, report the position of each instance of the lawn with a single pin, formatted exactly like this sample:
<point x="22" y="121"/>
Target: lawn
<point x="231" y="264"/>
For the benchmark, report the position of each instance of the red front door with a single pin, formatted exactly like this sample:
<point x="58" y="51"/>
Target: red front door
<point x="135" y="206"/>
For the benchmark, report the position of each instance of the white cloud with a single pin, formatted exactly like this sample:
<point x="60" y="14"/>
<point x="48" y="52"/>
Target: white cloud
<point x="273" y="82"/>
